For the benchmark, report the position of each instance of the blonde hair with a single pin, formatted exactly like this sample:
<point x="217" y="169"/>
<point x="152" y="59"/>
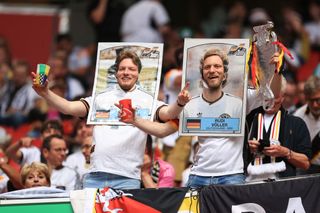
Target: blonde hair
<point x="35" y="166"/>
<point x="222" y="56"/>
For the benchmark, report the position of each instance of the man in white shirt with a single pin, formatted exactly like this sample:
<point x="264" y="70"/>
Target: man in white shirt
<point x="118" y="151"/>
<point x="80" y="161"/>
<point x="54" y="150"/>
<point x="223" y="168"/>
<point x="219" y="160"/>
<point x="310" y="113"/>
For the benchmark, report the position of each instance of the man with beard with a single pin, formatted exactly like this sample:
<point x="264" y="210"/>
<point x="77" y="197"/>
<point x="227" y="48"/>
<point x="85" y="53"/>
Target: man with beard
<point x="219" y="160"/>
<point x="213" y="102"/>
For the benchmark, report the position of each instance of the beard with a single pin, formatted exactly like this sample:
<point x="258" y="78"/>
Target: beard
<point x="211" y="87"/>
<point x="315" y="112"/>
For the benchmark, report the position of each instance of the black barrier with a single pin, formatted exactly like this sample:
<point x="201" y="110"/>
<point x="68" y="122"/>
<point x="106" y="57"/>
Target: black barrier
<point x="298" y="195"/>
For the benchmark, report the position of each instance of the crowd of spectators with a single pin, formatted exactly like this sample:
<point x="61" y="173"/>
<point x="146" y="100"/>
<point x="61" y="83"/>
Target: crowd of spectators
<point x="33" y="131"/>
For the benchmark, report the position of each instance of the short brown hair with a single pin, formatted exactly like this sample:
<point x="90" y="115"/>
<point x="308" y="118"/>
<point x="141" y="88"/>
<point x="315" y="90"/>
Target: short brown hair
<point x="35" y="166"/>
<point x="128" y="54"/>
<point x="52" y="124"/>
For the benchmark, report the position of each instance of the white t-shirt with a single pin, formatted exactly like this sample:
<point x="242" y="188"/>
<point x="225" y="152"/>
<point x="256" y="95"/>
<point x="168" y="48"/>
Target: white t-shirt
<point x="64" y="178"/>
<point x="29" y="155"/>
<point x="219" y="156"/>
<point x="227" y="105"/>
<point x="136" y="22"/>
<point x="77" y="162"/>
<point x="119" y="149"/>
<point x="312" y="123"/>
<point x="142" y="102"/>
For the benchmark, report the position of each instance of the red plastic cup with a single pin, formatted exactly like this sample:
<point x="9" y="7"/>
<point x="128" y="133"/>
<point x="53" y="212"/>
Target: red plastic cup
<point x="126" y="106"/>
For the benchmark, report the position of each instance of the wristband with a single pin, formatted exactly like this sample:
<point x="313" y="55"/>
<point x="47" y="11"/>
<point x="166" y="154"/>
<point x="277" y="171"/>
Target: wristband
<point x="180" y="105"/>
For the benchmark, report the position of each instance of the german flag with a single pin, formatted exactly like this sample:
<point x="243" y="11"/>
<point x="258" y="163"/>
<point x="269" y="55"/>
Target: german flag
<point x="193" y="123"/>
<point x="102" y="114"/>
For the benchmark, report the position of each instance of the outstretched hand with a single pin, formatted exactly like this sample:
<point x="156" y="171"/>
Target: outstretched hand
<point x="184" y="95"/>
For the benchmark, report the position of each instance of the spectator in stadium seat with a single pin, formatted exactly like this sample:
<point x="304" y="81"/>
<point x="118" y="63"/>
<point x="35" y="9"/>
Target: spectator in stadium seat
<point x="54" y="150"/>
<point x="34" y="175"/>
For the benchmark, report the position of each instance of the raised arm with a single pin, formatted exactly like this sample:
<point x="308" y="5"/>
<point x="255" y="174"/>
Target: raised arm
<point x="157" y="129"/>
<point x="172" y="111"/>
<point x="13" y="175"/>
<point x="74" y="108"/>
<point x="13" y="151"/>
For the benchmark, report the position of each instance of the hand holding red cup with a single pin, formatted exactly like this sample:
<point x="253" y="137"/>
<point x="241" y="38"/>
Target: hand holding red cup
<point x="127" y="112"/>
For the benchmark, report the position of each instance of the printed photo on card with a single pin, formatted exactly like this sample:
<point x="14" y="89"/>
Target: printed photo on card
<point x="216" y="70"/>
<point x="134" y="85"/>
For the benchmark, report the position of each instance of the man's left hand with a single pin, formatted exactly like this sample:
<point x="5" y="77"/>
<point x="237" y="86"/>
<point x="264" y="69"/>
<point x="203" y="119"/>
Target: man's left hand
<point x="184" y="96"/>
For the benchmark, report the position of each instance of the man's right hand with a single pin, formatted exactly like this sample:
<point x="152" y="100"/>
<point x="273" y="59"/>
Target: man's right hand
<point x="253" y="145"/>
<point x="41" y="90"/>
